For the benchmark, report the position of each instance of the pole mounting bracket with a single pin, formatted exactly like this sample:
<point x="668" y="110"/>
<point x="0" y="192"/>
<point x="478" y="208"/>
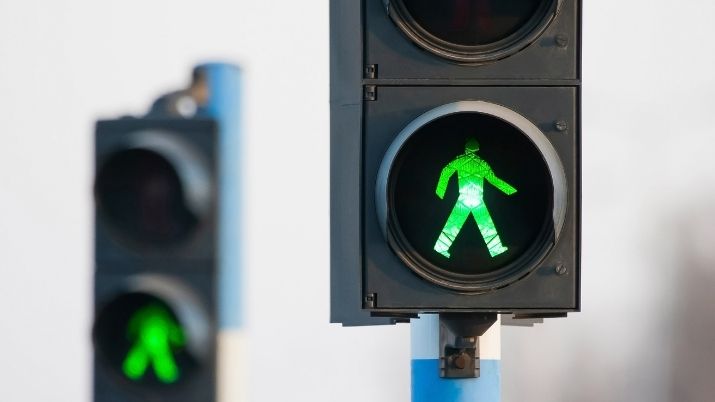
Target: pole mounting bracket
<point x="459" y="343"/>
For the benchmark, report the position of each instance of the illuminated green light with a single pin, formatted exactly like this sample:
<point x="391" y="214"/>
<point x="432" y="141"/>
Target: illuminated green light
<point x="471" y="172"/>
<point x="154" y="333"/>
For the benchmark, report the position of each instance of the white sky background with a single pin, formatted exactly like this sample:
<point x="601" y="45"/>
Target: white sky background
<point x="648" y="167"/>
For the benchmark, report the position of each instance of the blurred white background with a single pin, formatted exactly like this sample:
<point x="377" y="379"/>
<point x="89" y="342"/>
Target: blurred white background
<point x="645" y="334"/>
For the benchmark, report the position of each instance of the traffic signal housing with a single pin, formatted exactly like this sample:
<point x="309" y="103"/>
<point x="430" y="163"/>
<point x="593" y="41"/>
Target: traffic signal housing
<point x="167" y="243"/>
<point x="455" y="158"/>
<point x="156" y="259"/>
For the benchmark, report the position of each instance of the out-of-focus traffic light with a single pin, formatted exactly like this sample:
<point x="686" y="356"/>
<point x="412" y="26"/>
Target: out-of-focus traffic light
<point x="455" y="158"/>
<point x="160" y="248"/>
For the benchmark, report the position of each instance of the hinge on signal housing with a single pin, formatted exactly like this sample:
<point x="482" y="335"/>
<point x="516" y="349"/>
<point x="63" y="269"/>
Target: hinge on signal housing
<point x="370" y="93"/>
<point x="370" y="71"/>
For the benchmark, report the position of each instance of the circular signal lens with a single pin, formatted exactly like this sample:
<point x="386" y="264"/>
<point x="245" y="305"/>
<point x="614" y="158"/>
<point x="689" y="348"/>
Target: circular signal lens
<point x="473" y="31"/>
<point x="141" y="339"/>
<point x="470" y="200"/>
<point x="153" y="191"/>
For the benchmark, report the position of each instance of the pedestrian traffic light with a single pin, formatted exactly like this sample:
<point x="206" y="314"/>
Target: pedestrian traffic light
<point x="153" y="333"/>
<point x="165" y="191"/>
<point x="455" y="158"/>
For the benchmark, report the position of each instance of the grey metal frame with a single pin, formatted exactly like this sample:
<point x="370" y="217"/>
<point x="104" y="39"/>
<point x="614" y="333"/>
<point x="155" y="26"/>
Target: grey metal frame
<point x="370" y="54"/>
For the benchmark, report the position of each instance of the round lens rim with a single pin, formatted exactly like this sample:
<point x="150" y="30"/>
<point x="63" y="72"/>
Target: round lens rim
<point x="188" y="164"/>
<point x="477" y="54"/>
<point x="504" y="276"/>
<point x="181" y="302"/>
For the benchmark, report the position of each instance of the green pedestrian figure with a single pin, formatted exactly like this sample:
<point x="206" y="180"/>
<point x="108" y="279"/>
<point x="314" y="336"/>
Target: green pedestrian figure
<point x="155" y="335"/>
<point x="471" y="172"/>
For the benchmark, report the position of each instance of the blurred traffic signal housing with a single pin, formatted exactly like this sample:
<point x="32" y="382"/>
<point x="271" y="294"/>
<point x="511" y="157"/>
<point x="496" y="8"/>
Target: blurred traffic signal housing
<point x="162" y="192"/>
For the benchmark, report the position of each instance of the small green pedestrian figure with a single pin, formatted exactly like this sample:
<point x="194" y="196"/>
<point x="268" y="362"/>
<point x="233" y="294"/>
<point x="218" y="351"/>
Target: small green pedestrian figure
<point x="155" y="334"/>
<point x="471" y="172"/>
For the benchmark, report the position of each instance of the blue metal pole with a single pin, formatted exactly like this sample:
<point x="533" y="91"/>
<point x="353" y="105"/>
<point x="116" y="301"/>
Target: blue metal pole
<point x="224" y="86"/>
<point x="224" y="105"/>
<point x="427" y="386"/>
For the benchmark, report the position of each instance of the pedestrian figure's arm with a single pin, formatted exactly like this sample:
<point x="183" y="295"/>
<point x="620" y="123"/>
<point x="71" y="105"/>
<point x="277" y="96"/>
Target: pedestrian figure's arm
<point x="176" y="334"/>
<point x="135" y="322"/>
<point x="447" y="172"/>
<point x="503" y="186"/>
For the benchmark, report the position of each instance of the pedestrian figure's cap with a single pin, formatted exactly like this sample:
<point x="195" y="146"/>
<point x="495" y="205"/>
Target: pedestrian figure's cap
<point x="472" y="146"/>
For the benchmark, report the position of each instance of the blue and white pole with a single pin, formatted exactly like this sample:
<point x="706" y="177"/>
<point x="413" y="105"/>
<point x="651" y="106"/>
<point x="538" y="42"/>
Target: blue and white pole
<point x="224" y="105"/>
<point x="427" y="386"/>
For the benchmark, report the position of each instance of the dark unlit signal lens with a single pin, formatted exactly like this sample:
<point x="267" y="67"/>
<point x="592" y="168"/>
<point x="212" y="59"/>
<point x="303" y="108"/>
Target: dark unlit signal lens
<point x="140" y="194"/>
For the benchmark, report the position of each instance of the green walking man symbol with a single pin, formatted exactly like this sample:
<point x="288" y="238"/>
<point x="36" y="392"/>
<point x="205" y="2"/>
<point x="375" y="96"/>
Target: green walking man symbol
<point x="155" y="334"/>
<point x="471" y="172"/>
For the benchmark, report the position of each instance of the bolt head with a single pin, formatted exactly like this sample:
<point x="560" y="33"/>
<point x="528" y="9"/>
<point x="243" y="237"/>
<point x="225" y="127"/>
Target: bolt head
<point x="460" y="361"/>
<point x="561" y="125"/>
<point x="561" y="40"/>
<point x="561" y="270"/>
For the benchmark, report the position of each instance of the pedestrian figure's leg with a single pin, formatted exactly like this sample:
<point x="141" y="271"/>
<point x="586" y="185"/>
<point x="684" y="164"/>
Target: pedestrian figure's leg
<point x="136" y="361"/>
<point x="164" y="364"/>
<point x="488" y="230"/>
<point x="454" y="224"/>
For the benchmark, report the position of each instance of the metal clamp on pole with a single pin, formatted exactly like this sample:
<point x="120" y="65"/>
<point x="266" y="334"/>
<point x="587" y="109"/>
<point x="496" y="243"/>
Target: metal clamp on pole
<point x="459" y="343"/>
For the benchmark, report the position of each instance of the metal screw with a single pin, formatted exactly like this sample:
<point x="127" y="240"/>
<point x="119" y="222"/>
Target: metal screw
<point x="371" y="71"/>
<point x="561" y="270"/>
<point x="561" y="40"/>
<point x="370" y="92"/>
<point x="460" y="361"/>
<point x="369" y="300"/>
<point x="561" y="125"/>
